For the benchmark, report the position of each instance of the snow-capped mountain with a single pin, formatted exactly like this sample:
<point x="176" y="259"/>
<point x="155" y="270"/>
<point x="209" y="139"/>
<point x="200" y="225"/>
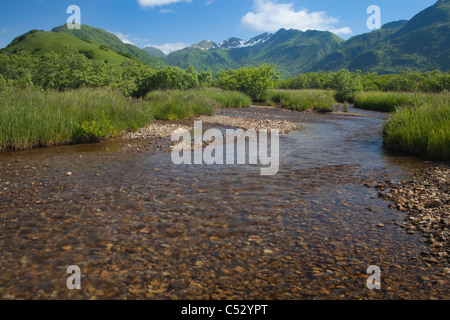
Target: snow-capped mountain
<point x="233" y="43"/>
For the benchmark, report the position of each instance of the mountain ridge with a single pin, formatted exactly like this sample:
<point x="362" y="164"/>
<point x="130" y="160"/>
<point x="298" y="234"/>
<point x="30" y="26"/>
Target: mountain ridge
<point x="420" y="44"/>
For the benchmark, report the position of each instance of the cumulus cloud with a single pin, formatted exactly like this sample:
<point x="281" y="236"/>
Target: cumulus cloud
<point x="169" y="47"/>
<point x="156" y="3"/>
<point x="271" y="16"/>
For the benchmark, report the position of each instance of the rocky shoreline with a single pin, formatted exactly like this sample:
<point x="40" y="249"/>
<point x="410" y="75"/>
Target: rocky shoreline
<point x="426" y="200"/>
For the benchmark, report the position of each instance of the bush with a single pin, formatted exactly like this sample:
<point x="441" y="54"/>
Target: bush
<point x="174" y="78"/>
<point x="92" y="131"/>
<point x="2" y="83"/>
<point x="254" y="82"/>
<point x="346" y="85"/>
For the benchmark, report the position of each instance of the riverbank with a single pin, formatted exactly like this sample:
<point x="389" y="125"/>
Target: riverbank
<point x="426" y="199"/>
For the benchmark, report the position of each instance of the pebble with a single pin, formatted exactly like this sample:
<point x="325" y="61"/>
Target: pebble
<point x="427" y="203"/>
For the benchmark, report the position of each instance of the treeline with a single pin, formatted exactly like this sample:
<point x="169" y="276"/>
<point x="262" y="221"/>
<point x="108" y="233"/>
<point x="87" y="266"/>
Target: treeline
<point x="74" y="70"/>
<point x="433" y="81"/>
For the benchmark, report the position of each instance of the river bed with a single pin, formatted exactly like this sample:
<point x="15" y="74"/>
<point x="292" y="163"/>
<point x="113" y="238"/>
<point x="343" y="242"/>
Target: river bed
<point x="140" y="227"/>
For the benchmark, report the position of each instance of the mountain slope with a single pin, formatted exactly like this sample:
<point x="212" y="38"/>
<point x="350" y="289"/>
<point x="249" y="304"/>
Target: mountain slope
<point x="290" y="50"/>
<point x="40" y="42"/>
<point x="294" y="50"/>
<point x="421" y="44"/>
<point x="201" y="59"/>
<point x="108" y="39"/>
<point x="342" y="57"/>
<point x="154" y="52"/>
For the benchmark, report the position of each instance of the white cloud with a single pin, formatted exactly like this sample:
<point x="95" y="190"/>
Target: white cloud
<point x="123" y="37"/>
<point x="4" y="30"/>
<point x="156" y="3"/>
<point x="166" y="11"/>
<point x="169" y="47"/>
<point x="271" y="16"/>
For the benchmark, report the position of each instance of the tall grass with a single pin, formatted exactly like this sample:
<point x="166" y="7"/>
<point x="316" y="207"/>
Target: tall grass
<point x="383" y="101"/>
<point x="227" y="99"/>
<point x="32" y="118"/>
<point x="177" y="104"/>
<point x="420" y="130"/>
<point x="302" y="100"/>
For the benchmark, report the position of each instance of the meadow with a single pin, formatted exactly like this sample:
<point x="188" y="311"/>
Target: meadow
<point x="31" y="118"/>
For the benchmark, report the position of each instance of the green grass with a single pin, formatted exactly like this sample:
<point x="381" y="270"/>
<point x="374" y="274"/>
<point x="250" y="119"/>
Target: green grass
<point x="31" y="118"/>
<point x="177" y="104"/>
<point x="302" y="100"/>
<point x="228" y="99"/>
<point x="383" y="101"/>
<point x="421" y="130"/>
<point x="42" y="42"/>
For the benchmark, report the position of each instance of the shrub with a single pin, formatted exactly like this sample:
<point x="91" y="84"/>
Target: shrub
<point x="346" y="85"/>
<point x="2" y="83"/>
<point x="92" y="131"/>
<point x="254" y="82"/>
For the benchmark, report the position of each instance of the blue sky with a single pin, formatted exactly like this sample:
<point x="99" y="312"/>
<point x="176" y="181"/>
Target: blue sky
<point x="173" y="24"/>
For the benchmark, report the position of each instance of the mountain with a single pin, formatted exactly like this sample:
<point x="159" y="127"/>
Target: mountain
<point x="290" y="50"/>
<point x="108" y="39"/>
<point x="40" y="42"/>
<point x="342" y="57"/>
<point x="154" y="52"/>
<point x="201" y="59"/>
<point x="234" y="43"/>
<point x="421" y="44"/>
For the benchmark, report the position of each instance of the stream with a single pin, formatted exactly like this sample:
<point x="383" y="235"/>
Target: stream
<point x="140" y="227"/>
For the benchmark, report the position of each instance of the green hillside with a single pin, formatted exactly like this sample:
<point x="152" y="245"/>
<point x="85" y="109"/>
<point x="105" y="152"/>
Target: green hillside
<point x="200" y="59"/>
<point x="290" y="50"/>
<point x="419" y="45"/>
<point x="294" y="50"/>
<point x="355" y="46"/>
<point x="40" y="42"/>
<point x="154" y="52"/>
<point x="108" y="39"/>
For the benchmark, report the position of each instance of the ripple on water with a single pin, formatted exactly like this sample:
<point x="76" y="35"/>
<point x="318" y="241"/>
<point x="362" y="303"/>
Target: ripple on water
<point x="140" y="227"/>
